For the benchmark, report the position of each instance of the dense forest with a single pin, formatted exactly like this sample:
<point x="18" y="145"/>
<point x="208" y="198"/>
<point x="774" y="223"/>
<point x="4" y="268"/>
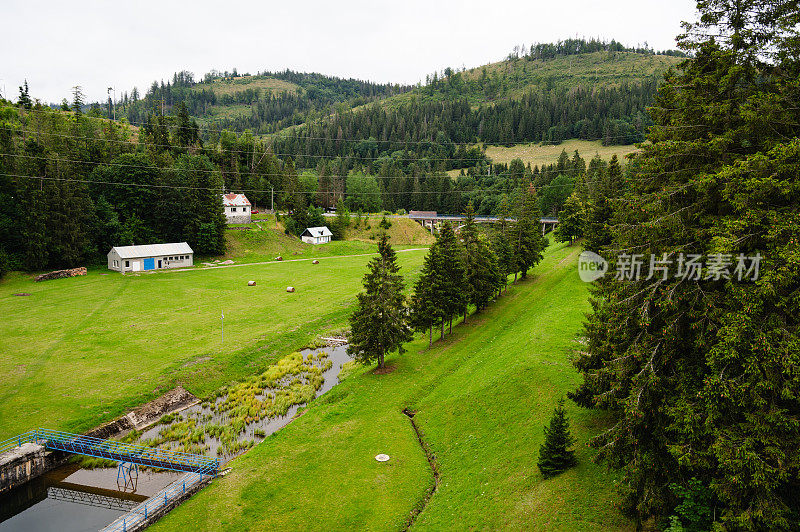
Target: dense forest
<point x="701" y="372"/>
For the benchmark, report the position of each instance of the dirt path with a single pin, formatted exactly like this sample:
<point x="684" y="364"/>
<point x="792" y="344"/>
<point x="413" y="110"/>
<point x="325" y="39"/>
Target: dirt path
<point x="282" y="261"/>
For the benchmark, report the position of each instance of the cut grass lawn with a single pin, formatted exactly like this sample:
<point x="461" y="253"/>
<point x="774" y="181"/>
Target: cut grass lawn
<point x="482" y="397"/>
<point x="79" y="351"/>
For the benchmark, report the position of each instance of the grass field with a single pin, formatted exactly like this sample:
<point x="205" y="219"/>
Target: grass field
<point x="482" y="397"/>
<point x="538" y="155"/>
<point x="224" y="86"/>
<point x="265" y="240"/>
<point x="77" y="352"/>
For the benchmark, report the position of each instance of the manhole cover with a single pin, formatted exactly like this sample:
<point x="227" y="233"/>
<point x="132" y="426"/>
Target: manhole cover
<point x="382" y="458"/>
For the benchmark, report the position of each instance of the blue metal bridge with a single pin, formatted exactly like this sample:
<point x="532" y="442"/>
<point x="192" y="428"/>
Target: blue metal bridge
<point x="113" y="450"/>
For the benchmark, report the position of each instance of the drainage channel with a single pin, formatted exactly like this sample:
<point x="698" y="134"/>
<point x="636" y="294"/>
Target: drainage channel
<point x="71" y="499"/>
<point x="434" y="469"/>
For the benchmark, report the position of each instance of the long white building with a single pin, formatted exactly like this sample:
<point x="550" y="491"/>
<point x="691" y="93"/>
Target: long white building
<point x="150" y="257"/>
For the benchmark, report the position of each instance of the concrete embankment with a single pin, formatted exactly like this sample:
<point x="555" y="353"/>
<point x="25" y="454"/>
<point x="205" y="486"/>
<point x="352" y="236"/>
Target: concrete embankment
<point x="21" y="464"/>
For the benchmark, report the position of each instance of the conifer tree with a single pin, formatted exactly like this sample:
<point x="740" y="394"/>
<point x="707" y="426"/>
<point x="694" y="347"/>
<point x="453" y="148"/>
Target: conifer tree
<point x="555" y="454"/>
<point x="480" y="265"/>
<point x="426" y="303"/>
<point x="701" y="375"/>
<point x="501" y="244"/>
<point x="571" y="220"/>
<point x="380" y="323"/>
<point x="24" y="97"/>
<point x="454" y="291"/>
<point x="528" y="242"/>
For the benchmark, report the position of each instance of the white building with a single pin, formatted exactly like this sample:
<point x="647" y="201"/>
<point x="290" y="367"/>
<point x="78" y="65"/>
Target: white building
<point x="317" y="235"/>
<point x="237" y="208"/>
<point x="150" y="257"/>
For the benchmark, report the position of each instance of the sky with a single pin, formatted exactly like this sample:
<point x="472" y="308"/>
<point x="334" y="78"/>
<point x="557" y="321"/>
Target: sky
<point x="100" y="44"/>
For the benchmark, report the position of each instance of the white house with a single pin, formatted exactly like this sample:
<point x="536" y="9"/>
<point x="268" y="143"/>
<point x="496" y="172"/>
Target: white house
<point x="150" y="257"/>
<point x="237" y="208"/>
<point x="317" y="235"/>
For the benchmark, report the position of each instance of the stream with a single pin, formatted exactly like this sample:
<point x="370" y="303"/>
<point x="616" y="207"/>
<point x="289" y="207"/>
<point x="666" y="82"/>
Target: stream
<point x="72" y="499"/>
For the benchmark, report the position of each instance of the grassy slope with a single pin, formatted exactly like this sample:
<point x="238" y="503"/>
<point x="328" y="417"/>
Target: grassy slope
<point x="79" y="351"/>
<point x="266" y="240"/>
<point x="482" y="396"/>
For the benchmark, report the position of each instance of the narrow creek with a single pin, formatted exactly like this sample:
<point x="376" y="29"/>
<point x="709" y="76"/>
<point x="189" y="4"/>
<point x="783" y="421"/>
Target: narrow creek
<point x="73" y="499"/>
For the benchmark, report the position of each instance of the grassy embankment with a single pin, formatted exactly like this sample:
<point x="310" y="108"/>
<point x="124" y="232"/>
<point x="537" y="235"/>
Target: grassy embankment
<point x="78" y="352"/>
<point x="482" y="397"/>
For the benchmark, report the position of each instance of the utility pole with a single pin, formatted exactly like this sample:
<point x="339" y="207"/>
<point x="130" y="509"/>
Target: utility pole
<point x="272" y="189"/>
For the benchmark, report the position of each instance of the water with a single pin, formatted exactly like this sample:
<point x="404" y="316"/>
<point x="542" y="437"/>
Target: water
<point x="71" y="499"/>
<point x="258" y="430"/>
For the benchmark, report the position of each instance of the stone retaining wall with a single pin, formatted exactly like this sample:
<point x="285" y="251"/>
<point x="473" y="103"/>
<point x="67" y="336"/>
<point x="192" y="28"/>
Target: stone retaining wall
<point x="21" y="464"/>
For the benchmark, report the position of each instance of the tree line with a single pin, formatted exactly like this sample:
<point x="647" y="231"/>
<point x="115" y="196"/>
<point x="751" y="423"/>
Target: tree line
<point x="464" y="268"/>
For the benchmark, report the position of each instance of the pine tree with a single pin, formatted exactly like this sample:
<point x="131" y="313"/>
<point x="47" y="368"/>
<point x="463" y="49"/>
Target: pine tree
<point x="480" y="264"/>
<point x="571" y="220"/>
<point x="453" y="295"/>
<point x="24" y="97"/>
<point x="380" y="323"/>
<point x="77" y="99"/>
<point x="528" y="243"/>
<point x="501" y="244"/>
<point x="555" y="455"/>
<point x="426" y="305"/>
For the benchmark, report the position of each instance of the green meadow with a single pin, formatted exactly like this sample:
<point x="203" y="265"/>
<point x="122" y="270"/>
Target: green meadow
<point x="481" y="397"/>
<point x="78" y="352"/>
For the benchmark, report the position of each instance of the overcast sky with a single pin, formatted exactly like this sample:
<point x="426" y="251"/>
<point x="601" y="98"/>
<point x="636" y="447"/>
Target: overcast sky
<point x="56" y="45"/>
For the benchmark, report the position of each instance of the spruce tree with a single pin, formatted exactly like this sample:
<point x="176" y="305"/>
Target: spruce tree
<point x="701" y="376"/>
<point x="528" y="242"/>
<point x="426" y="303"/>
<point x="501" y="244"/>
<point x="454" y="292"/>
<point x="380" y="323"/>
<point x="571" y="220"/>
<point x="555" y="455"/>
<point x="480" y="265"/>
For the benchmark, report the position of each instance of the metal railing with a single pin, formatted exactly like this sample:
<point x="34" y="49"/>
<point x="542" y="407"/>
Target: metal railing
<point x="161" y="500"/>
<point x="198" y="467"/>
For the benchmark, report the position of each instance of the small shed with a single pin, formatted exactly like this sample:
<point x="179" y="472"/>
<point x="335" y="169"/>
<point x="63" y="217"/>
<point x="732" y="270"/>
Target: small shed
<point x="150" y="257"/>
<point x="237" y="208"/>
<point x="317" y="235"/>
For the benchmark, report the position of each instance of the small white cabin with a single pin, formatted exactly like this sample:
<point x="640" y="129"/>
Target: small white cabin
<point x="150" y="257"/>
<point x="237" y="208"/>
<point x="317" y="235"/>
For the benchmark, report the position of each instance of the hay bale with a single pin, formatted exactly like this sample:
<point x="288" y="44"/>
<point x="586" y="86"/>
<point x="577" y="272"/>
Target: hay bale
<point x="290" y="288"/>
<point x="251" y="283"/>
<point x="315" y="261"/>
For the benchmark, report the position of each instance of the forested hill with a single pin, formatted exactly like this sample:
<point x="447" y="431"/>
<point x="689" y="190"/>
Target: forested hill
<point x="548" y="92"/>
<point x="268" y="101"/>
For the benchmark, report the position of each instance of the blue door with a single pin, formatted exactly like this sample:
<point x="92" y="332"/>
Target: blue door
<point x="149" y="264"/>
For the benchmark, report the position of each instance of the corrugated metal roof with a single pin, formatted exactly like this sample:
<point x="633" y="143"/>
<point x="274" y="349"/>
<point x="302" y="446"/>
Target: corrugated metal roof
<point x="152" y="250"/>
<point x="234" y="200"/>
<point x="319" y="231"/>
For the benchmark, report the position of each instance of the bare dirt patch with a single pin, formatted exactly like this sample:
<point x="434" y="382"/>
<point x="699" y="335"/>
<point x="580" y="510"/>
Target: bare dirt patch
<point x="384" y="370"/>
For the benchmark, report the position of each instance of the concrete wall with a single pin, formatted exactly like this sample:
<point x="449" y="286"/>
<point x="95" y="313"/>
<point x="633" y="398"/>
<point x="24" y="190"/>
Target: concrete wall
<point x="21" y="464"/>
